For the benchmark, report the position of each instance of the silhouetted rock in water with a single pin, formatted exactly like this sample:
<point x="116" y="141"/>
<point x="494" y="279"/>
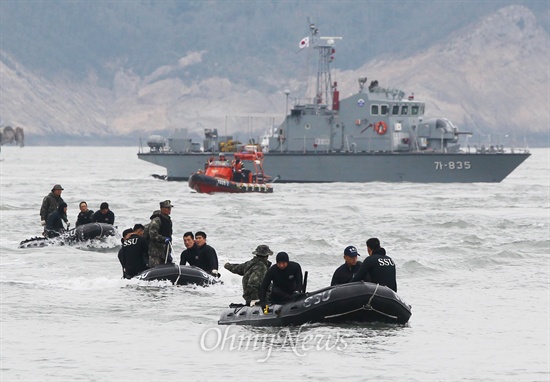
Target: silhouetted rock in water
<point x="9" y="135"/>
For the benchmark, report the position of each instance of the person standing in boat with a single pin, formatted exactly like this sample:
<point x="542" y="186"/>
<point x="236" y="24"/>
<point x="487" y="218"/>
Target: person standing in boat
<point x="208" y="258"/>
<point x="253" y="272"/>
<point x="378" y="268"/>
<point x="237" y="170"/>
<point x="54" y="226"/>
<point x="160" y="235"/>
<point x="190" y="254"/>
<point x="285" y="279"/>
<point x="50" y="203"/>
<point x="104" y="215"/>
<point x="85" y="216"/>
<point x="345" y="272"/>
<point x="133" y="255"/>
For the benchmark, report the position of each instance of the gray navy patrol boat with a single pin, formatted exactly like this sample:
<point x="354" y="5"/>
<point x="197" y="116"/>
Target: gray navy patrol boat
<point x="377" y="134"/>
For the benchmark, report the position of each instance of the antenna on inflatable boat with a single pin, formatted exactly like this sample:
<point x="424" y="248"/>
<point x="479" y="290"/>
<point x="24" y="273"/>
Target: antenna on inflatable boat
<point x="305" y="283"/>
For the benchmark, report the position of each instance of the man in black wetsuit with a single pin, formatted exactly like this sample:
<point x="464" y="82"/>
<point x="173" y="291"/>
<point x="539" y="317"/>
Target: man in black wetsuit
<point x="377" y="268"/>
<point x="345" y="272"/>
<point x="190" y="254"/>
<point x="85" y="215"/>
<point x="286" y="277"/>
<point x="133" y="255"/>
<point x="104" y="215"/>
<point x="208" y="258"/>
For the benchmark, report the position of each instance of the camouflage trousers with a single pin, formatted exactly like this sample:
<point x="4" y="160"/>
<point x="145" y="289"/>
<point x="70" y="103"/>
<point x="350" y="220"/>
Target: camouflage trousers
<point x="156" y="260"/>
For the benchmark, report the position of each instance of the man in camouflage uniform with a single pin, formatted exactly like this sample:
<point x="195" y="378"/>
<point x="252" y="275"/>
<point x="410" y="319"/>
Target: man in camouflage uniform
<point x="160" y="234"/>
<point x="50" y="204"/>
<point x="253" y="272"/>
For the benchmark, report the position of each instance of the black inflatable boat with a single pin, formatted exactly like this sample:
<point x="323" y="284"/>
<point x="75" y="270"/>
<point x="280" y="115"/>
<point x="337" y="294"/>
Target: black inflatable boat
<point x="354" y="302"/>
<point x="82" y="233"/>
<point x="178" y="274"/>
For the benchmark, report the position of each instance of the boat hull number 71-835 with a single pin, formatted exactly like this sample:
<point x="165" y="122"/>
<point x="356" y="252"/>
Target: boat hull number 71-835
<point x="451" y="165"/>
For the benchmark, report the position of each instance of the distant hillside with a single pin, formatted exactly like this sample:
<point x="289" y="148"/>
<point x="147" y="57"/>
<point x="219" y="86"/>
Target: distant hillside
<point x="489" y="76"/>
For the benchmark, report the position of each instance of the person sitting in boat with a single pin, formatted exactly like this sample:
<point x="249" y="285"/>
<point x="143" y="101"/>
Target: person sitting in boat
<point x="222" y="158"/>
<point x="104" y="215"/>
<point x="54" y="225"/>
<point x="85" y="215"/>
<point x="208" y="163"/>
<point x="191" y="253"/>
<point x="378" y="268"/>
<point x="285" y="279"/>
<point x="133" y="255"/>
<point x="208" y="258"/>
<point x="345" y="272"/>
<point x="253" y="272"/>
<point x="237" y="166"/>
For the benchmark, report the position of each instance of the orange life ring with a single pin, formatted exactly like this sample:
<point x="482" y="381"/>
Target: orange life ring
<point x="381" y="127"/>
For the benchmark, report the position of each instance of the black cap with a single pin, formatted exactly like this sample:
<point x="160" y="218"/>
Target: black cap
<point x="351" y="251"/>
<point x="282" y="256"/>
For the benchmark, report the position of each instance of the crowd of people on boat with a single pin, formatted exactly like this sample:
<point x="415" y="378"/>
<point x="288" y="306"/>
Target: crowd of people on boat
<point x="148" y="246"/>
<point x="53" y="213"/>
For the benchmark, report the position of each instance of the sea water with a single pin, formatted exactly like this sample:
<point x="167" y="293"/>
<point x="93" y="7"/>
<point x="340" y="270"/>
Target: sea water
<point x="472" y="260"/>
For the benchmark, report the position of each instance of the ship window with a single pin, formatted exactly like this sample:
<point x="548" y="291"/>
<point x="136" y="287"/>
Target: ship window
<point x="422" y="110"/>
<point x="404" y="110"/>
<point x="384" y="109"/>
<point x="374" y="109"/>
<point x="414" y="110"/>
<point x="395" y="110"/>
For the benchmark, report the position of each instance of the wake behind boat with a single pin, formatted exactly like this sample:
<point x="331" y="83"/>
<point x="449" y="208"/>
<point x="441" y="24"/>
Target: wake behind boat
<point x="354" y="302"/>
<point x="377" y="134"/>
<point x="222" y="176"/>
<point x="178" y="275"/>
<point x="92" y="232"/>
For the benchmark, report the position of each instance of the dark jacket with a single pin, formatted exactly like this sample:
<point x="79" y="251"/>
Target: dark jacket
<point x="208" y="258"/>
<point x="253" y="272"/>
<point x="285" y="282"/>
<point x="379" y="269"/>
<point x="344" y="273"/>
<point x="133" y="256"/>
<point x="85" y="218"/>
<point x="190" y="256"/>
<point x="54" y="225"/>
<point x="108" y="218"/>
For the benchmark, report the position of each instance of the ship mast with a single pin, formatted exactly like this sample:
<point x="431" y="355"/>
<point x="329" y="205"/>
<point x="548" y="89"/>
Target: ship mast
<point x="325" y="47"/>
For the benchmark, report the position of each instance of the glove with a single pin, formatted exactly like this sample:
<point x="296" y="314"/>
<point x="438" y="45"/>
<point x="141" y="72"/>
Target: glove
<point x="215" y="273"/>
<point x="167" y="240"/>
<point x="43" y="222"/>
<point x="227" y="266"/>
<point x="254" y="302"/>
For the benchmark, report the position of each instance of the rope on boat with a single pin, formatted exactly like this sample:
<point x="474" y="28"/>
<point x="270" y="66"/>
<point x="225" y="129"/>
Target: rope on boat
<point x="367" y="306"/>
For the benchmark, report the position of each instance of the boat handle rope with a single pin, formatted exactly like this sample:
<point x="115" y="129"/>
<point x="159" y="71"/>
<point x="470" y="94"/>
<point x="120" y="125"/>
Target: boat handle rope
<point x="169" y="247"/>
<point x="367" y="306"/>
